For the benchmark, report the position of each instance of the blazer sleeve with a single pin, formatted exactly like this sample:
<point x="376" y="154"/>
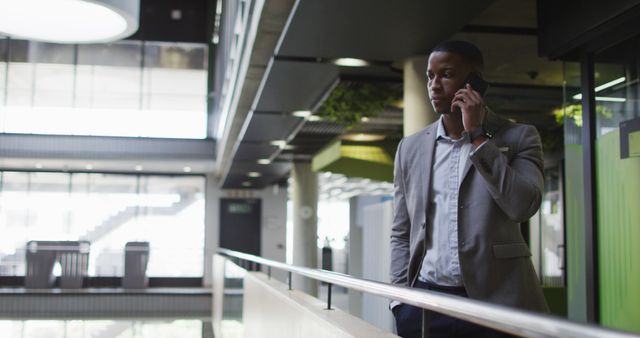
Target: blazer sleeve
<point x="515" y="186"/>
<point x="401" y="226"/>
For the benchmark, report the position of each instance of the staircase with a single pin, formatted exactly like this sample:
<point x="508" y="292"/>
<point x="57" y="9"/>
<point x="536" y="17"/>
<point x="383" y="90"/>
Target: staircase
<point x="129" y="213"/>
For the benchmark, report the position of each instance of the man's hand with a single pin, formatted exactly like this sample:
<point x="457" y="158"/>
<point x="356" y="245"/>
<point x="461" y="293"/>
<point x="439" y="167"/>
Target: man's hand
<point x="471" y="104"/>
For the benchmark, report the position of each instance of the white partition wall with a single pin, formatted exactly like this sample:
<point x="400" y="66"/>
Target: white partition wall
<point x="376" y="254"/>
<point x="271" y="310"/>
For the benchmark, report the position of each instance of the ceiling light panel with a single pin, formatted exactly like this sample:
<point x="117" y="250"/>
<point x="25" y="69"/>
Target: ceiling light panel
<point x="351" y="62"/>
<point x="69" y="21"/>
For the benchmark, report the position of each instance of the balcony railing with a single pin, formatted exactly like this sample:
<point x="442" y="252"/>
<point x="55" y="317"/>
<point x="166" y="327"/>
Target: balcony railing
<point x="502" y="318"/>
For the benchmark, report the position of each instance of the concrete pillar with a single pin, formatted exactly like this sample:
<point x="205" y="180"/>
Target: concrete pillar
<point x="418" y="111"/>
<point x="211" y="226"/>
<point x="305" y="223"/>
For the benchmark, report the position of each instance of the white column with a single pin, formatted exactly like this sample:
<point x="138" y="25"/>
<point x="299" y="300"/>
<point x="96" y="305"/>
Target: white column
<point x="305" y="223"/>
<point x="418" y="111"/>
<point x="274" y="221"/>
<point x="211" y="226"/>
<point x="354" y="257"/>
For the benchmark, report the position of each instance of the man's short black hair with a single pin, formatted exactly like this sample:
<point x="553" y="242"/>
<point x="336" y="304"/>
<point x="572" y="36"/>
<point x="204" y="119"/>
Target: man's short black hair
<point x="467" y="50"/>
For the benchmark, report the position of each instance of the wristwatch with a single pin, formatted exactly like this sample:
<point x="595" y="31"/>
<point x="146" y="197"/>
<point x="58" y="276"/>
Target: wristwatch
<point x="480" y="131"/>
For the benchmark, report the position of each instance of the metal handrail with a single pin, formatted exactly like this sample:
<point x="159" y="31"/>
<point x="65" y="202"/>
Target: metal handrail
<point x="510" y="320"/>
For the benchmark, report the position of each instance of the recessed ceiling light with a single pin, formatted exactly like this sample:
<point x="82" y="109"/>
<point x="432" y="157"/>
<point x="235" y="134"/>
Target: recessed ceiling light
<point x="610" y="99"/>
<point x="362" y="137"/>
<point x="246" y="184"/>
<point x="38" y="165"/>
<point x="351" y="62"/>
<point x="279" y="143"/>
<point x="176" y="14"/>
<point x="603" y="87"/>
<point x="69" y="21"/>
<point x="89" y="166"/>
<point x="186" y="169"/>
<point x="138" y="167"/>
<point x="264" y="161"/>
<point x="602" y="98"/>
<point x="254" y="174"/>
<point x="302" y="113"/>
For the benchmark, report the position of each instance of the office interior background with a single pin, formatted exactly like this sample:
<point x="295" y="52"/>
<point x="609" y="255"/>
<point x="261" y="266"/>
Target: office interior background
<point x="269" y="127"/>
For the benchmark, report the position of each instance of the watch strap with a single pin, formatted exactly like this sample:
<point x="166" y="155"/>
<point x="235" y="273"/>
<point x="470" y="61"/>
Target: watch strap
<point x="480" y="131"/>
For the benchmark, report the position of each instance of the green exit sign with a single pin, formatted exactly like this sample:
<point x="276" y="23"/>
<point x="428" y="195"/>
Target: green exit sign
<point x="240" y="208"/>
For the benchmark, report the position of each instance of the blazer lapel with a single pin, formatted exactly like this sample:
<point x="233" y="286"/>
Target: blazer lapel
<point x="427" y="154"/>
<point x="467" y="167"/>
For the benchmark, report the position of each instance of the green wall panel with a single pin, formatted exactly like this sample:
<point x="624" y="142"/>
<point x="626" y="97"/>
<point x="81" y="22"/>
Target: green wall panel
<point x="575" y="250"/>
<point x="373" y="161"/>
<point x="618" y="234"/>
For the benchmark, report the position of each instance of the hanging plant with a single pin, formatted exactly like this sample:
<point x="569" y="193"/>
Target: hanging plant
<point x="349" y="102"/>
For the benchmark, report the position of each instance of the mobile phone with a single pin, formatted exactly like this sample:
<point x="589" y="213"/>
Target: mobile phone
<point x="477" y="83"/>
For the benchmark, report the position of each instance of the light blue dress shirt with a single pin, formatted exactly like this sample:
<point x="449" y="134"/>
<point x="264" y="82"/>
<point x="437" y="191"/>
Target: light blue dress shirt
<point x="441" y="264"/>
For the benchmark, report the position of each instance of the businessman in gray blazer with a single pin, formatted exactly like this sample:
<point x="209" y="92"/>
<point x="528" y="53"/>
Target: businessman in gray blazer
<point x="463" y="185"/>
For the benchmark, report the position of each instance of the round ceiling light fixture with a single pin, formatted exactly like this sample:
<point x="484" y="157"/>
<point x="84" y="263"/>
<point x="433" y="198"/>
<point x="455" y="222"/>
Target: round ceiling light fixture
<point x="69" y="21"/>
<point x="351" y="62"/>
<point x="364" y="137"/>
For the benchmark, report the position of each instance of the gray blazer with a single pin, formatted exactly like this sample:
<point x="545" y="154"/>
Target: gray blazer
<point x="501" y="187"/>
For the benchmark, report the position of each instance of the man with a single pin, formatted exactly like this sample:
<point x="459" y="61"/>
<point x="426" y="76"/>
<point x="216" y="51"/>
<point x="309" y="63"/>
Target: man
<point x="462" y="186"/>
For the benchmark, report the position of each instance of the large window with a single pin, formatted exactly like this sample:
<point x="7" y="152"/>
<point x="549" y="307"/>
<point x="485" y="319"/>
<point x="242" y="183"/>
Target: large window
<point x="108" y="211"/>
<point x="127" y="88"/>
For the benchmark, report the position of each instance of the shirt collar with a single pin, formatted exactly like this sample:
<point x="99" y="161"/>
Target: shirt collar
<point x="441" y="133"/>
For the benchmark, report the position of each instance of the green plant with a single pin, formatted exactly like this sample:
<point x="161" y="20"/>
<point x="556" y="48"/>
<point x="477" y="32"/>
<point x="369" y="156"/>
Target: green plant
<point x="349" y="101"/>
<point x="574" y="111"/>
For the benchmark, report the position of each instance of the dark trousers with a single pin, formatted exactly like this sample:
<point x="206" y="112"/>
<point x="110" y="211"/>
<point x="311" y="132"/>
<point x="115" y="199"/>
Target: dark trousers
<point x="409" y="319"/>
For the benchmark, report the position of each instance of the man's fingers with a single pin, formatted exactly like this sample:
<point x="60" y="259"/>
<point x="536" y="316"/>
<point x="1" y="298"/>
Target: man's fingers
<point x="471" y="93"/>
<point x="465" y="96"/>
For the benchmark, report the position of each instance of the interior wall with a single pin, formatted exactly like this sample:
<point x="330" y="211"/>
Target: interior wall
<point x="377" y="261"/>
<point x="297" y="315"/>
<point x="274" y="226"/>
<point x="273" y="223"/>
<point x="355" y="257"/>
<point x="618" y="232"/>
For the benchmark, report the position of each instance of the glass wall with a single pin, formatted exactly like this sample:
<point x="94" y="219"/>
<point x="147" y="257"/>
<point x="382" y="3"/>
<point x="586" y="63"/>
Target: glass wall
<point x="127" y="88"/>
<point x="109" y="211"/>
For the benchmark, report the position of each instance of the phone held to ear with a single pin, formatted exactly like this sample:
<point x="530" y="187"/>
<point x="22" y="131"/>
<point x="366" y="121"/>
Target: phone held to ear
<point x="477" y="83"/>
